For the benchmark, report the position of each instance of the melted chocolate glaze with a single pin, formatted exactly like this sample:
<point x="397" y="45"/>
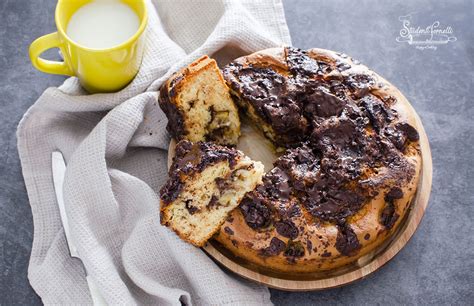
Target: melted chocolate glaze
<point x="193" y="158"/>
<point x="335" y="130"/>
<point x="323" y="103"/>
<point x="272" y="99"/>
<point x="175" y="124"/>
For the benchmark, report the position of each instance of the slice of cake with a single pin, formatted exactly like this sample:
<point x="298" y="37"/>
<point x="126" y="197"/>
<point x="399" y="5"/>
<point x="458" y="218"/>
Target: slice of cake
<point x="206" y="182"/>
<point x="198" y="105"/>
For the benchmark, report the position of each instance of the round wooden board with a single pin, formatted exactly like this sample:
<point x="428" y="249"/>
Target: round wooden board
<point x="257" y="147"/>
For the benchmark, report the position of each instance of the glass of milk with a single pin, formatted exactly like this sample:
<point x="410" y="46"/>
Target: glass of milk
<point x="102" y="42"/>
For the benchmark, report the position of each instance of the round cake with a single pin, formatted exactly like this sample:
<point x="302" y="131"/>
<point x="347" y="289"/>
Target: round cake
<point x="350" y="165"/>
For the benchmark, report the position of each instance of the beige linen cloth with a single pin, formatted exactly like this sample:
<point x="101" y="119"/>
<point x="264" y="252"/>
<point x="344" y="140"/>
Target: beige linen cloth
<point x="115" y="146"/>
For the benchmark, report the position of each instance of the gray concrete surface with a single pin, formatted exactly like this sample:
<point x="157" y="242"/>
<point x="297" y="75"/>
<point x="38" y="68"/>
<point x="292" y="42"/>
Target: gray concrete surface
<point x="437" y="265"/>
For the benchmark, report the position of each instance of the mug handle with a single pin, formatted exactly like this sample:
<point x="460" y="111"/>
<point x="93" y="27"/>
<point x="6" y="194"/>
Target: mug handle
<point x="42" y="44"/>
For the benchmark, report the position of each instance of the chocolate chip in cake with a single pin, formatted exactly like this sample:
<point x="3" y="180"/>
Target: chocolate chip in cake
<point x="228" y="230"/>
<point x="294" y="249"/>
<point x="191" y="209"/>
<point x="287" y="229"/>
<point x="394" y="194"/>
<point x="213" y="202"/>
<point x="276" y="247"/>
<point x="388" y="217"/>
<point x="346" y="242"/>
<point x="309" y="246"/>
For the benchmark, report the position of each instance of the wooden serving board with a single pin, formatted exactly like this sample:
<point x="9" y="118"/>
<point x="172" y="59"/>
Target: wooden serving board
<point x="255" y="145"/>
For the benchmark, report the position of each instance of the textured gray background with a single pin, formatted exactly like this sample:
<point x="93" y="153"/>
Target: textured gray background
<point x="437" y="265"/>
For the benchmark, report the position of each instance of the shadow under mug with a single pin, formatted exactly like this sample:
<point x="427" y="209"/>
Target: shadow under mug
<point x="99" y="70"/>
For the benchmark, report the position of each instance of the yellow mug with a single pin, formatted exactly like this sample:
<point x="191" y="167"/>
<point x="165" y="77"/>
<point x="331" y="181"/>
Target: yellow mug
<point x="99" y="70"/>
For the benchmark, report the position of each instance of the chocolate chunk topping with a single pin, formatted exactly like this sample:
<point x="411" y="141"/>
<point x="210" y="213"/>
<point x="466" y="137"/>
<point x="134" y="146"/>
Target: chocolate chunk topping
<point x="256" y="214"/>
<point x="287" y="229"/>
<point x="346" y="242"/>
<point x="170" y="191"/>
<point x="394" y="194"/>
<point x="333" y="205"/>
<point x="341" y="66"/>
<point x="196" y="157"/>
<point x="336" y="133"/>
<point x="175" y="124"/>
<point x="360" y="84"/>
<point x="378" y="114"/>
<point x="276" y="247"/>
<point x="276" y="184"/>
<point x="322" y="103"/>
<point x="396" y="137"/>
<point x="401" y="134"/>
<point x="300" y="63"/>
<point x="409" y="131"/>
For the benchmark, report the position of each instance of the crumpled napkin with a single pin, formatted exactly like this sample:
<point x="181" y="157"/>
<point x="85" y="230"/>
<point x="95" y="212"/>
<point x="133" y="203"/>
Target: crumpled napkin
<point x="115" y="146"/>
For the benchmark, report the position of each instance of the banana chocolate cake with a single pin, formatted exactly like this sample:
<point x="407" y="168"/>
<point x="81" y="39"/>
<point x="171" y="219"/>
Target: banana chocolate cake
<point x="350" y="166"/>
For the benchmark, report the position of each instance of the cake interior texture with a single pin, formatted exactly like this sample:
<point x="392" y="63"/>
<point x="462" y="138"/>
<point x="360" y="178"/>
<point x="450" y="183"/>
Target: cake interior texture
<point x="207" y="181"/>
<point x="198" y="105"/>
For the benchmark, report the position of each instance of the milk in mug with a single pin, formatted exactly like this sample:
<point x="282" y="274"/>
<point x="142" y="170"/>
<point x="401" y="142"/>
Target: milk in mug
<point x="103" y="24"/>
